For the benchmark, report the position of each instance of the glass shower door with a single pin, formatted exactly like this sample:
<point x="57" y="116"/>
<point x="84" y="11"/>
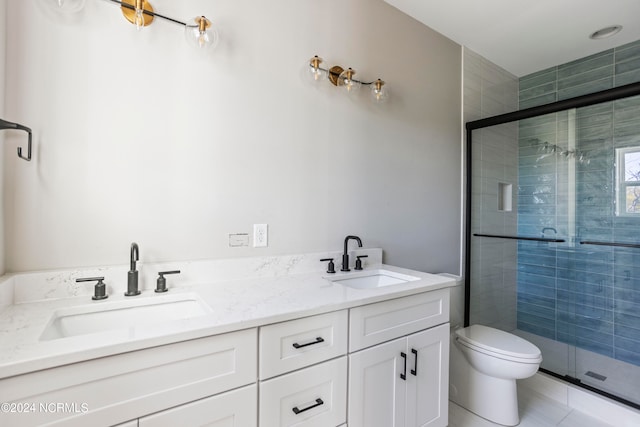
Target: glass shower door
<point x="555" y="240"/>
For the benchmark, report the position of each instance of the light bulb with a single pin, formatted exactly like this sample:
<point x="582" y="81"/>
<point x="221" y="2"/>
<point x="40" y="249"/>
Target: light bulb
<point x="200" y="34"/>
<point x="139" y="18"/>
<point x="315" y="72"/>
<point x="379" y="93"/>
<point x="347" y="80"/>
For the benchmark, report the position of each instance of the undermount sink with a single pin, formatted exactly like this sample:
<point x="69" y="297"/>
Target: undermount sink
<point x="370" y="279"/>
<point x="110" y="315"/>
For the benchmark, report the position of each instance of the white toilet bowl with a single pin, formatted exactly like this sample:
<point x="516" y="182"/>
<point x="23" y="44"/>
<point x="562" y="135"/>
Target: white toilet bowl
<point x="485" y="363"/>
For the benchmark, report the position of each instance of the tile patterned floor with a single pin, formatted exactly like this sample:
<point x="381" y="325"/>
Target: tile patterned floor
<point x="536" y="410"/>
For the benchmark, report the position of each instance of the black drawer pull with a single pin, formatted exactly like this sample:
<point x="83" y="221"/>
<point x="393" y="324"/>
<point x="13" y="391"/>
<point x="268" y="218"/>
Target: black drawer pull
<point x="414" y="371"/>
<point x="404" y="374"/>
<point x="299" y="411"/>
<point x="317" y="341"/>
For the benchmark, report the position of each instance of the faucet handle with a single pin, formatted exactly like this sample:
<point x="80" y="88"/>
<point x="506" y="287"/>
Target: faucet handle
<point x="331" y="268"/>
<point x="359" y="261"/>
<point x="100" y="290"/>
<point x="161" y="283"/>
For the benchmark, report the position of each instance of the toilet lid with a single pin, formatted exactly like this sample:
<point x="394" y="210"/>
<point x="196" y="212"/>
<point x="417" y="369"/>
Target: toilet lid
<point x="497" y="341"/>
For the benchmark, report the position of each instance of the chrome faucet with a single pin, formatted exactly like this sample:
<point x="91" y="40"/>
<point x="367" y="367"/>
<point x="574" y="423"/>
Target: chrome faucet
<point x="345" y="255"/>
<point x="132" y="276"/>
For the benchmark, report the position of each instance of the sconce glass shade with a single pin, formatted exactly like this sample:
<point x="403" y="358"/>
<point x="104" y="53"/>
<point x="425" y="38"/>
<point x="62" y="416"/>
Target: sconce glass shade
<point x="314" y="72"/>
<point x="66" y="6"/>
<point x="347" y="80"/>
<point x="200" y="33"/>
<point x="379" y="92"/>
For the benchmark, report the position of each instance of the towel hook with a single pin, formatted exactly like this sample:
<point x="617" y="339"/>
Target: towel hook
<point x="9" y="125"/>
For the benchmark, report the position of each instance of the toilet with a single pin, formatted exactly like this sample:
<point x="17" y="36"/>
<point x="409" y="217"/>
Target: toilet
<point x="485" y="364"/>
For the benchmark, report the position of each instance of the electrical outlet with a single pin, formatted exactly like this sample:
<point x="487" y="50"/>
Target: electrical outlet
<point x="260" y="235"/>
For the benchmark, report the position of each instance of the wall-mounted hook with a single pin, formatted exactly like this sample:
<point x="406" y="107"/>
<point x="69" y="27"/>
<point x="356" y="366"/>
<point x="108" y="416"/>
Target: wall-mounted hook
<point x="9" y="125"/>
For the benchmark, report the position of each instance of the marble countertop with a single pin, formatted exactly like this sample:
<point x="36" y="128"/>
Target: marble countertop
<point x="235" y="305"/>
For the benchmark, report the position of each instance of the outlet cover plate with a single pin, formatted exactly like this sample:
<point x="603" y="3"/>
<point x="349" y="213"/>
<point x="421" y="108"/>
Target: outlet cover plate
<point x="260" y="235"/>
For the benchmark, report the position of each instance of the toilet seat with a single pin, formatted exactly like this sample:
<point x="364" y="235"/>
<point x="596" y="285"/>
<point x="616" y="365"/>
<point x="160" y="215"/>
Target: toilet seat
<point x="498" y="343"/>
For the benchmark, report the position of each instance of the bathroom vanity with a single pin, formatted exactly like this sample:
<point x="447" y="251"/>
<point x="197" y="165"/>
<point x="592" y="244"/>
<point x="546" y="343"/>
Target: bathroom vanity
<point x="280" y="343"/>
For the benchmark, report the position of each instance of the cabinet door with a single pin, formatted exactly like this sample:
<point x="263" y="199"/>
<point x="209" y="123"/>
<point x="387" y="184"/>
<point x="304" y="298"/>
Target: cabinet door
<point x="428" y="377"/>
<point x="377" y="394"/>
<point x="237" y="408"/>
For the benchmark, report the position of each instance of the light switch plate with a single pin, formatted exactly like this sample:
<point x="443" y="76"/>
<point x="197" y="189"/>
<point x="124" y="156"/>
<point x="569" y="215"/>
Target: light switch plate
<point x="238" y="239"/>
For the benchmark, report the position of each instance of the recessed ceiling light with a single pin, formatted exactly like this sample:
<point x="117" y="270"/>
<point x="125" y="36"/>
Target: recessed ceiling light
<point x="606" y="32"/>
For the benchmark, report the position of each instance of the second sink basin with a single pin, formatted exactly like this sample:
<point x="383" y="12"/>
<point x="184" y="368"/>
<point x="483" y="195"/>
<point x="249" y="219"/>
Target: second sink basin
<point x="110" y="315"/>
<point x="373" y="279"/>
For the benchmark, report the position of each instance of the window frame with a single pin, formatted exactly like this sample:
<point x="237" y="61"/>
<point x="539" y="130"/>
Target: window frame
<point x="622" y="184"/>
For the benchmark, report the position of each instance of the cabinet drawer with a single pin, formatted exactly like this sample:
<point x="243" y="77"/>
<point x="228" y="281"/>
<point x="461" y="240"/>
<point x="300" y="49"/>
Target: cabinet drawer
<point x="375" y="323"/>
<point x="311" y="397"/>
<point x="238" y="408"/>
<point x="292" y="345"/>
<point x="125" y="386"/>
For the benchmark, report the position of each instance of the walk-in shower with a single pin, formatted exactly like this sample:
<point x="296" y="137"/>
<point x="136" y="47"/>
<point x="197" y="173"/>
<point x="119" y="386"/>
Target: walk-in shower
<point x="553" y="235"/>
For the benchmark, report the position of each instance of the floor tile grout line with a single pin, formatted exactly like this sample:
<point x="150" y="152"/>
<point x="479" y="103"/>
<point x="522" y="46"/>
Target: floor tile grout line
<point x="566" y="415"/>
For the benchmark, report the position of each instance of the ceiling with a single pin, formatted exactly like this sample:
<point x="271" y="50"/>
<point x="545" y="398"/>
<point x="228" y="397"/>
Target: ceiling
<point x="525" y="36"/>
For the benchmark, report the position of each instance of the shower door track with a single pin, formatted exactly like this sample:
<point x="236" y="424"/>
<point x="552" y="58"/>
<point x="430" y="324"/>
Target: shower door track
<point x="608" y="95"/>
<point x="577" y="382"/>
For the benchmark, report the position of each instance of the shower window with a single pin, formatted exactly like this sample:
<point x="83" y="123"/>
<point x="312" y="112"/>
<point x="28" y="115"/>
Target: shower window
<point x="628" y="181"/>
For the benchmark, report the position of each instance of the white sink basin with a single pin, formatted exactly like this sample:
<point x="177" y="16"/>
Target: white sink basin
<point x="369" y="279"/>
<point x="110" y="315"/>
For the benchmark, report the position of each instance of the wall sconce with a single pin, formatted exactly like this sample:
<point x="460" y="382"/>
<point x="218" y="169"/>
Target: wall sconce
<point x="340" y="77"/>
<point x="198" y="31"/>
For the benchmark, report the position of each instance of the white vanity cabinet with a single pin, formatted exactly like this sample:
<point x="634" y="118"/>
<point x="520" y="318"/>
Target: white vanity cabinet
<point x="336" y="369"/>
<point x="402" y="382"/>
<point x="130" y="385"/>
<point x="303" y="368"/>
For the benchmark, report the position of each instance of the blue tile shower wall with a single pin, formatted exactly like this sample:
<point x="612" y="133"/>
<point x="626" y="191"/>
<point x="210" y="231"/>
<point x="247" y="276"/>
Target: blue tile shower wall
<point x="588" y="296"/>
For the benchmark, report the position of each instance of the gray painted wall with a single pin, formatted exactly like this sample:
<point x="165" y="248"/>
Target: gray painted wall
<point x="139" y="138"/>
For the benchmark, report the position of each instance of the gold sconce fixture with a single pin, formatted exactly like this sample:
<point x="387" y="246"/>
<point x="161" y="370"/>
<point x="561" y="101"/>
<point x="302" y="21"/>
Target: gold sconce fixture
<point x="346" y="79"/>
<point x="198" y="31"/>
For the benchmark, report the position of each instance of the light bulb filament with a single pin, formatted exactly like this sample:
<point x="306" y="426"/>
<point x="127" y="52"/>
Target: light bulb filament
<point x="139" y="18"/>
<point x="203" y="25"/>
<point x="316" y="71"/>
<point x="348" y="81"/>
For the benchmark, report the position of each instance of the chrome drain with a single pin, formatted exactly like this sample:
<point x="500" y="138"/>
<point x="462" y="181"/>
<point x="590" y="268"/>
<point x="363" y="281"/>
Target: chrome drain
<point x="596" y="376"/>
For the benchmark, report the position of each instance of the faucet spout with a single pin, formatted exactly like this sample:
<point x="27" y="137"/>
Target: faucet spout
<point x="132" y="276"/>
<point x="135" y="256"/>
<point x="345" y="255"/>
